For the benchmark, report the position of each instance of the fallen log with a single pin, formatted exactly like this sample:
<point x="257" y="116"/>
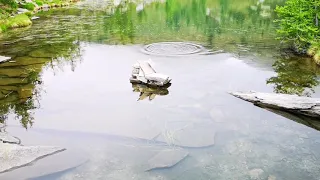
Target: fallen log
<point x="291" y="103"/>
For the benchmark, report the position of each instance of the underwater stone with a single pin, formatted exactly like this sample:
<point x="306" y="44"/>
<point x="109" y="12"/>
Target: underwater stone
<point x="14" y="156"/>
<point x="217" y="115"/>
<point x="271" y="177"/>
<point x="166" y="159"/>
<point x="255" y="173"/>
<point x="190" y="136"/>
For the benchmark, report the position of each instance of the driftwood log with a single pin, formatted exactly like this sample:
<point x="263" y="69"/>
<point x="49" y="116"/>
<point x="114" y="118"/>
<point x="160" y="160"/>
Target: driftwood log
<point x="305" y="106"/>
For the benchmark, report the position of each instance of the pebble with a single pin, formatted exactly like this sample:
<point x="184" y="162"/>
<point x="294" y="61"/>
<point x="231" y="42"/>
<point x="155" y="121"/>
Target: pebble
<point x="255" y="173"/>
<point x="271" y="177"/>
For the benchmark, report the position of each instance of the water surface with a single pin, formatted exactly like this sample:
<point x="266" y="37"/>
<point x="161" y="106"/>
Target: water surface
<point x="69" y="86"/>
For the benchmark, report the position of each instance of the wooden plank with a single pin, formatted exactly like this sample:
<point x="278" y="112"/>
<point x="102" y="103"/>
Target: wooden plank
<point x="146" y="68"/>
<point x="291" y="103"/>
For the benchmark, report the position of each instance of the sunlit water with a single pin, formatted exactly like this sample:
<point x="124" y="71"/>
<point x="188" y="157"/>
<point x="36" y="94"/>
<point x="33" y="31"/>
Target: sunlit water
<point x="69" y="86"/>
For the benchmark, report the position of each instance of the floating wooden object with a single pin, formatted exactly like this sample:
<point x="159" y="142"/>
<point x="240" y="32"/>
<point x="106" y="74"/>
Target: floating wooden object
<point x="144" y="73"/>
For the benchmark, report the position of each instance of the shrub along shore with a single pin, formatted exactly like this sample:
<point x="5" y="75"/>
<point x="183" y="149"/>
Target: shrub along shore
<point x="15" y="14"/>
<point x="299" y="25"/>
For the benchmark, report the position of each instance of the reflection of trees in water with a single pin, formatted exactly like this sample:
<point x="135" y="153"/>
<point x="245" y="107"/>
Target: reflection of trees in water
<point x="221" y="23"/>
<point x="149" y="92"/>
<point x="294" y="76"/>
<point x="20" y="80"/>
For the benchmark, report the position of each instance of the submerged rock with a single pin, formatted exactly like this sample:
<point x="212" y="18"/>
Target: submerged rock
<point x="7" y="138"/>
<point x="189" y="136"/>
<point x="255" y="173"/>
<point x="14" y="156"/>
<point x="217" y="115"/>
<point x="166" y="159"/>
<point x="271" y="177"/>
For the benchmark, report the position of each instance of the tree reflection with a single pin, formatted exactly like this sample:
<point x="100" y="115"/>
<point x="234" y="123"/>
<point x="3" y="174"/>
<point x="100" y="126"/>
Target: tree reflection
<point x="56" y="42"/>
<point x="149" y="92"/>
<point x="294" y="76"/>
<point x="20" y="80"/>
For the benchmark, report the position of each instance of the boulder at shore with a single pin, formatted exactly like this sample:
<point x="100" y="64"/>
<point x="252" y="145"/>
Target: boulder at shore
<point x="291" y="103"/>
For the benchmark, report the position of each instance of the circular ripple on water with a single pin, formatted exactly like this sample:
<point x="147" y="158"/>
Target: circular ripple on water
<point x="172" y="48"/>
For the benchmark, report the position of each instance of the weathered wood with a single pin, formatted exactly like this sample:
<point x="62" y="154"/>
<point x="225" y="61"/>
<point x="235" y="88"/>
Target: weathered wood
<point x="4" y="59"/>
<point x="291" y="103"/>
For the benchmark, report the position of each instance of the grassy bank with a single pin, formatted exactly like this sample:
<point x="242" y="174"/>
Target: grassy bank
<point x="10" y="19"/>
<point x="21" y="20"/>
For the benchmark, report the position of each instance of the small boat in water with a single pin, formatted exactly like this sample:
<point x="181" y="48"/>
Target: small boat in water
<point x="144" y="73"/>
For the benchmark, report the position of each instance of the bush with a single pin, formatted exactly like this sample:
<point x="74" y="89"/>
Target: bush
<point x="314" y="51"/>
<point x="298" y="21"/>
<point x="29" y="6"/>
<point x="29" y="14"/>
<point x="11" y="3"/>
<point x="39" y="3"/>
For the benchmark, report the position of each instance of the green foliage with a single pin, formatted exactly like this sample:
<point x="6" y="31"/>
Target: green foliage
<point x="29" y="14"/>
<point x="39" y="2"/>
<point x="21" y="20"/>
<point x="298" y="21"/>
<point x="314" y="51"/>
<point x="29" y="6"/>
<point x="10" y="3"/>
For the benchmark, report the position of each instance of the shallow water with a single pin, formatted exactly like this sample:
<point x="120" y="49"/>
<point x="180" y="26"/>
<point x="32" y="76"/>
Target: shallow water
<point x="75" y="65"/>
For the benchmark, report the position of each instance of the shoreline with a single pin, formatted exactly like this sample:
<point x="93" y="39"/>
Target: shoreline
<point x="23" y="17"/>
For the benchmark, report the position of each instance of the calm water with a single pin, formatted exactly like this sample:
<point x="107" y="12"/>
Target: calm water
<point x="68" y="85"/>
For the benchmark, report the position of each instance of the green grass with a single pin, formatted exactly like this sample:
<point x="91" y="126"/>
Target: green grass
<point x="314" y="51"/>
<point x="21" y="20"/>
<point x="29" y="6"/>
<point x="39" y="2"/>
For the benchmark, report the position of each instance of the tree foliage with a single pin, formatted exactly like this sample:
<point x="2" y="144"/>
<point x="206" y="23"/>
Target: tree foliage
<point x="299" y="23"/>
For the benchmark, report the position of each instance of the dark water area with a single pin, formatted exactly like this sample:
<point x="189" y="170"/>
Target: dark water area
<point x="68" y="85"/>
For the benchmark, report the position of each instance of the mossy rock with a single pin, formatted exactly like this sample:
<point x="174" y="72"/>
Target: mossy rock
<point x="24" y="61"/>
<point x="42" y="53"/>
